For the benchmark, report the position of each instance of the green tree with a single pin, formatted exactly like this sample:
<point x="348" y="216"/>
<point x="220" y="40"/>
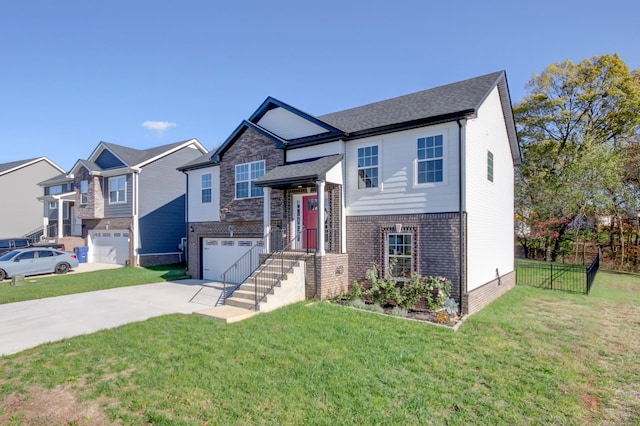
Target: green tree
<point x="574" y="126"/>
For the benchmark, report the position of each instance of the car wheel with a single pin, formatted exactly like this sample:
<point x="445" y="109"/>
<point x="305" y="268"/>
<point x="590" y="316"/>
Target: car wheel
<point x="3" y="275"/>
<point x="62" y="268"/>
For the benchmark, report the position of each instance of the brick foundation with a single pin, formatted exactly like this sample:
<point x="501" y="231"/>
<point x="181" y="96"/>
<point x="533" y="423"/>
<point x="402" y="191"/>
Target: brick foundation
<point x="480" y="297"/>
<point x="436" y="239"/>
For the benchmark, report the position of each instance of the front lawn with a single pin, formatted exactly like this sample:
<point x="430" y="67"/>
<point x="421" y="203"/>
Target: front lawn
<point x="40" y="287"/>
<point x="532" y="357"/>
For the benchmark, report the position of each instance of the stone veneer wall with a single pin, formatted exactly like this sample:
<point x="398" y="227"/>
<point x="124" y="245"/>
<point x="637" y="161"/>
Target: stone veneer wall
<point x="435" y="245"/>
<point x="480" y="297"/>
<point x="250" y="146"/>
<point x="95" y="198"/>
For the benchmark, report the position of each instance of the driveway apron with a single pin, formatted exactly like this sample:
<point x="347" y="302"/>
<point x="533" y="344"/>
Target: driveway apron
<point x="28" y="324"/>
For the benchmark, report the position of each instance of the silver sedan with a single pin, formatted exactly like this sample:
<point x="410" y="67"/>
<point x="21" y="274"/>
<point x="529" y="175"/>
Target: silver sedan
<point x="33" y="261"/>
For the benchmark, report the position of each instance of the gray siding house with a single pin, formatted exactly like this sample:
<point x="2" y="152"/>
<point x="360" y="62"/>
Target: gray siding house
<point x="126" y="205"/>
<point x="22" y="215"/>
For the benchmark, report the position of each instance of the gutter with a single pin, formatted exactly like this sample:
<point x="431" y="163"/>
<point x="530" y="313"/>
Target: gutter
<point x="460" y="221"/>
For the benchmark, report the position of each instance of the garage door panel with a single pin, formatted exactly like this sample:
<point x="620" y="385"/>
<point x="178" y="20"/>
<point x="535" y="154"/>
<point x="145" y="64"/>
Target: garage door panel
<point x="109" y="246"/>
<point x="219" y="254"/>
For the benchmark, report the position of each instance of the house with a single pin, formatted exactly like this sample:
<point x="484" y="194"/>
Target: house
<point x="419" y="183"/>
<point x="21" y="215"/>
<point x="127" y="205"/>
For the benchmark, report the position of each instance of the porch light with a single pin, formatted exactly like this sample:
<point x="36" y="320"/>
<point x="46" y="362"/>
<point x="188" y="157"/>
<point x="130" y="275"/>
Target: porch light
<point x="232" y="229"/>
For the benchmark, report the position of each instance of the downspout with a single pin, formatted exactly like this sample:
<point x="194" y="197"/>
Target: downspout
<point x="460" y="221"/>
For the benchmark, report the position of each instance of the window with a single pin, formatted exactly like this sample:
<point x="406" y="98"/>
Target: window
<point x="490" y="166"/>
<point x="117" y="189"/>
<point x="53" y="190"/>
<point x="430" y="159"/>
<point x="53" y="205"/>
<point x="206" y="188"/>
<point x="245" y="175"/>
<point x="399" y="255"/>
<point x="45" y="253"/>
<point x="84" y="192"/>
<point x="368" y="167"/>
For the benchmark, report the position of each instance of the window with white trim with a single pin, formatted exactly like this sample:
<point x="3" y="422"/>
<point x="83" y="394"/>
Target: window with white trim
<point x="400" y="254"/>
<point x="430" y="159"/>
<point x="206" y="188"/>
<point x="245" y="175"/>
<point x="84" y="192"/>
<point x="368" y="167"/>
<point x="117" y="189"/>
<point x="490" y="166"/>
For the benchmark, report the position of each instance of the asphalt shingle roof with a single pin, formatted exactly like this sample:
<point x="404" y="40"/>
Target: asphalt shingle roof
<point x="439" y="101"/>
<point x="12" y="165"/>
<point x="296" y="171"/>
<point x="132" y="156"/>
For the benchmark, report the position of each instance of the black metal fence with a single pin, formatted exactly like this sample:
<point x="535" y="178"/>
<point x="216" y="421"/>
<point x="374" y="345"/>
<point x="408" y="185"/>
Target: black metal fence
<point x="557" y="276"/>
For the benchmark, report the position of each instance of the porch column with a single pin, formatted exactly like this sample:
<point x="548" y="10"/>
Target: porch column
<point x="60" y="218"/>
<point x="320" y="236"/>
<point x="267" y="219"/>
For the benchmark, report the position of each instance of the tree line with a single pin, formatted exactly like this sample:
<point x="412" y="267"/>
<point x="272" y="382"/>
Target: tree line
<point x="578" y="188"/>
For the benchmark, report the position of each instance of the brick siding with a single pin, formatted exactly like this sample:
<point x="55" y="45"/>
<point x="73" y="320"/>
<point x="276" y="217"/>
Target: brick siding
<point x="250" y="146"/>
<point x="480" y="297"/>
<point x="436" y="242"/>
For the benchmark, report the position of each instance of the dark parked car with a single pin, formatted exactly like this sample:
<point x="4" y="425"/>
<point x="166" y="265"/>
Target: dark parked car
<point x="8" y="244"/>
<point x="33" y="261"/>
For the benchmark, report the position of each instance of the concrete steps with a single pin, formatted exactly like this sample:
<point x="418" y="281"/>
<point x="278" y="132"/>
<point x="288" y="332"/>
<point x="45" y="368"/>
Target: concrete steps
<point x="241" y="303"/>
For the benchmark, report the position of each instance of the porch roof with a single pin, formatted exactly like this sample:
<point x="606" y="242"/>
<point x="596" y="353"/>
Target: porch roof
<point x="299" y="172"/>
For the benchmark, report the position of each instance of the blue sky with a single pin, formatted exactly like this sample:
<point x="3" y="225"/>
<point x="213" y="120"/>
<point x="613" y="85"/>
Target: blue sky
<point x="74" y="73"/>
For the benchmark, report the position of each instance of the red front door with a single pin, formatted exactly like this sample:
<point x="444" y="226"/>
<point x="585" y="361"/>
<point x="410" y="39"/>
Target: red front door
<point x="310" y="221"/>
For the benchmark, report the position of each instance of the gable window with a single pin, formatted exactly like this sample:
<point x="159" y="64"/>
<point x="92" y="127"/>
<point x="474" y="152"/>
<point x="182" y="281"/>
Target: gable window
<point x="117" y="189"/>
<point x="430" y="159"/>
<point x="206" y="188"/>
<point x="84" y="192"/>
<point x="490" y="166"/>
<point x="245" y="175"/>
<point x="368" y="167"/>
<point x="400" y="254"/>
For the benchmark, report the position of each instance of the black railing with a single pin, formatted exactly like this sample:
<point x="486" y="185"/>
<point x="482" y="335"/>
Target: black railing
<point x="557" y="276"/>
<point x="592" y="271"/>
<point x="278" y="263"/>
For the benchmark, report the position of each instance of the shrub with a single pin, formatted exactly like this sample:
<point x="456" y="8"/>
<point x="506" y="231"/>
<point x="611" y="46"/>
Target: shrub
<point x="437" y="291"/>
<point x="399" y="311"/>
<point x="411" y="292"/>
<point x="382" y="291"/>
<point x="375" y="308"/>
<point x="357" y="303"/>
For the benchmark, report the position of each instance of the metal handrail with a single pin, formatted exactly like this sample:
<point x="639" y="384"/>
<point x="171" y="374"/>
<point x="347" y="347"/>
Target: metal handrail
<point x="263" y="282"/>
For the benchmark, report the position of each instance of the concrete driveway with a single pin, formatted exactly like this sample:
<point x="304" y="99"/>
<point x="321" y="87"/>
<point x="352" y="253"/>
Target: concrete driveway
<point x="28" y="324"/>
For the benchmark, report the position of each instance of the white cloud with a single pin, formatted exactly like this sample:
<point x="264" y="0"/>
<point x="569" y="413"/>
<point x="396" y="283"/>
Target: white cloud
<point x="158" y="126"/>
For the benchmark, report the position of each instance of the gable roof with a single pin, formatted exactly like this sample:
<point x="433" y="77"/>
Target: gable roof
<point x="15" y="165"/>
<point x="131" y="157"/>
<point x="441" y="104"/>
<point x="456" y="99"/>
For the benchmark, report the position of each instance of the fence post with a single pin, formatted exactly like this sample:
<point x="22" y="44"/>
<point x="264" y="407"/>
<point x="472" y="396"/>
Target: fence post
<point x="552" y="276"/>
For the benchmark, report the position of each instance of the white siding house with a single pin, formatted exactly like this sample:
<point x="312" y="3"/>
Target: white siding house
<point x="426" y="176"/>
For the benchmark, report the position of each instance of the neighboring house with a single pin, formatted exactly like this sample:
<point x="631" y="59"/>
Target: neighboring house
<point x="126" y="205"/>
<point x="21" y="214"/>
<point x="423" y="181"/>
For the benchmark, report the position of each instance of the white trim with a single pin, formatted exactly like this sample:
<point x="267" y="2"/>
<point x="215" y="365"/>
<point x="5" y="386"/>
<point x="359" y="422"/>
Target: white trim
<point x="359" y="145"/>
<point x="249" y="180"/>
<point x="445" y="159"/>
<point x="171" y="151"/>
<point x="109" y="191"/>
<point x="29" y="163"/>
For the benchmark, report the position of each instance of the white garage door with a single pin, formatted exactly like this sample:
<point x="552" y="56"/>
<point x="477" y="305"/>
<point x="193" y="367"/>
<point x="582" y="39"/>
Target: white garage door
<point x="218" y="254"/>
<point x="110" y="246"/>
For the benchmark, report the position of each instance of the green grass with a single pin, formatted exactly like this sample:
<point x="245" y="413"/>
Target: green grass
<point x="50" y="286"/>
<point x="531" y="357"/>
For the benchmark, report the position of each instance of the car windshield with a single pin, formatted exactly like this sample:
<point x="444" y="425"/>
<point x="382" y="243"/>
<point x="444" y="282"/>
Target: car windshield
<point x="10" y="255"/>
